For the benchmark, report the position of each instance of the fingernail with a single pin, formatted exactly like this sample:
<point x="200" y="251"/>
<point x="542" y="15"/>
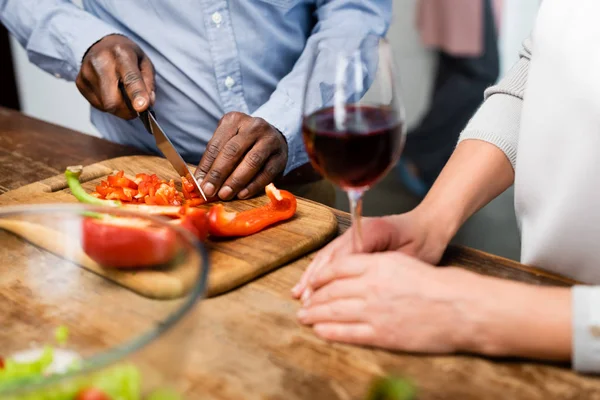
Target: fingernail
<point x="225" y="193"/>
<point x="153" y="97"/>
<point x="297" y="290"/>
<point x="140" y="102"/>
<point x="301" y="314"/>
<point x="209" y="189"/>
<point x="305" y="297"/>
<point x="243" y="194"/>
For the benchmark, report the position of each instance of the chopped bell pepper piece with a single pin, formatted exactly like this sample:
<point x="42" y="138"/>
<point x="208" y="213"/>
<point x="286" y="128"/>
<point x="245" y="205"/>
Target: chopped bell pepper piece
<point x="194" y="220"/>
<point x="117" y="242"/>
<point x="119" y="180"/>
<point x="72" y="174"/>
<point x="92" y="394"/>
<point x="232" y="224"/>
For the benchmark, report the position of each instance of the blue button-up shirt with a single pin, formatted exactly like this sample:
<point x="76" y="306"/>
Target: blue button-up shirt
<point x="210" y="56"/>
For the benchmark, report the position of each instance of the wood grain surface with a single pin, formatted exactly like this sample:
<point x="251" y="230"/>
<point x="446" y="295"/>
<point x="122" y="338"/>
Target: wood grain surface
<point x="233" y="262"/>
<point x="247" y="343"/>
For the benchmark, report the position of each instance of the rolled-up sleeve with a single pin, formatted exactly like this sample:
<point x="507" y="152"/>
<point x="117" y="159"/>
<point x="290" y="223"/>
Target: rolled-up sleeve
<point x="498" y="120"/>
<point x="586" y="329"/>
<point x="55" y="33"/>
<point x="353" y="20"/>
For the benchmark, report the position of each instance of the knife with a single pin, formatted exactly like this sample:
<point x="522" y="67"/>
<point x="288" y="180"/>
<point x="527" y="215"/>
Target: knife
<point x="162" y="141"/>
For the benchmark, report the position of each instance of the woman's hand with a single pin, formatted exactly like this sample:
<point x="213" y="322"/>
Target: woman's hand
<point x="414" y="233"/>
<point x="395" y="301"/>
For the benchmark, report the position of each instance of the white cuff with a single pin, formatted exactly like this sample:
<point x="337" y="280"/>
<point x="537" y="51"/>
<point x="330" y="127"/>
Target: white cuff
<point x="586" y="328"/>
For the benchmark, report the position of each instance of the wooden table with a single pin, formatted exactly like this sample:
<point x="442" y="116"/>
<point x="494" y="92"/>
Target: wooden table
<point x="273" y="356"/>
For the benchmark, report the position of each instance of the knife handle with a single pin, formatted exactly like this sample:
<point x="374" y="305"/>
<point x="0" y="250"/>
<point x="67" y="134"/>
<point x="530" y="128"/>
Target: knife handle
<point x="126" y="98"/>
<point x="143" y="115"/>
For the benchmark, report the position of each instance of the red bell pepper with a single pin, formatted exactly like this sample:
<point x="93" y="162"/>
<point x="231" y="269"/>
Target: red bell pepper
<point x="92" y="394"/>
<point x="119" y="180"/>
<point x="282" y="207"/>
<point x="194" y="220"/>
<point x="1" y="363"/>
<point x="73" y="173"/>
<point x="118" y="242"/>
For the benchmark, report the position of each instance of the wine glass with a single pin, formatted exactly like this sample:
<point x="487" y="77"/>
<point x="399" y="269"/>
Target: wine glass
<point x="353" y="118"/>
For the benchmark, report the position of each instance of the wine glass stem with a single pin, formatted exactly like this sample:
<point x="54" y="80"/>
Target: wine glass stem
<point x="355" y="199"/>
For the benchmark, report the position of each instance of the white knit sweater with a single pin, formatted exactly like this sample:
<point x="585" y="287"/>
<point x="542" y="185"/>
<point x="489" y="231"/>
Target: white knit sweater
<point x="545" y="116"/>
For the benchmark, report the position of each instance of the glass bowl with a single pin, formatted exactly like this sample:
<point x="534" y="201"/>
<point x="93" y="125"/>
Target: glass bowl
<point x="74" y="326"/>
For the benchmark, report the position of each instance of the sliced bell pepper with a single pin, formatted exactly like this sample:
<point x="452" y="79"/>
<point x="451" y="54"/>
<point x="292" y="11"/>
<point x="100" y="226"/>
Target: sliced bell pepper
<point x="232" y="224"/>
<point x="92" y="394"/>
<point x="118" y="242"/>
<point x="195" y="202"/>
<point x="188" y="188"/>
<point x="194" y="220"/>
<point x="191" y="194"/>
<point x="119" y="180"/>
<point x="73" y="173"/>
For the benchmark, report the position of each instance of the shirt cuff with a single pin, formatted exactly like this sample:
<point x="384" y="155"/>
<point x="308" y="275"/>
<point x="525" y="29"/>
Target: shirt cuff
<point x="281" y="112"/>
<point x="586" y="328"/>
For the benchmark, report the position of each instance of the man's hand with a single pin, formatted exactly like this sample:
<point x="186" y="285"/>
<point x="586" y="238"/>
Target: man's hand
<point x="116" y="59"/>
<point x="244" y="155"/>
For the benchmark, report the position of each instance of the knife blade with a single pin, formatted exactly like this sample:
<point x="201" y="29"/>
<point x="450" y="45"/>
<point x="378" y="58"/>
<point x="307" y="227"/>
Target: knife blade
<point x="162" y="141"/>
<point x="168" y="150"/>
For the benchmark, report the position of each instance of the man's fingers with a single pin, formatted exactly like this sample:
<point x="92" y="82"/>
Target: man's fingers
<point x="249" y="168"/>
<point x="228" y="158"/>
<point x="148" y="75"/>
<point x="228" y="127"/>
<point x="87" y="89"/>
<point x="107" y="87"/>
<point x="132" y="79"/>
<point x="272" y="168"/>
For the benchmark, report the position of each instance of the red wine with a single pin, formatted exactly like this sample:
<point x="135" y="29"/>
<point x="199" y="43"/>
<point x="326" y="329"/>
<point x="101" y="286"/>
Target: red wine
<point x="361" y="152"/>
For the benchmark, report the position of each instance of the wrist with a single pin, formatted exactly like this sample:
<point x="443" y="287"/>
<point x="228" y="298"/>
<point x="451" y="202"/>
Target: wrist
<point x="441" y="223"/>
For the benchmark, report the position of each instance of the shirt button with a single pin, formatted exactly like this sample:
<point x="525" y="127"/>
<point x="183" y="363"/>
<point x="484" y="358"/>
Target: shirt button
<point x="217" y="18"/>
<point x="57" y="75"/>
<point x="229" y="82"/>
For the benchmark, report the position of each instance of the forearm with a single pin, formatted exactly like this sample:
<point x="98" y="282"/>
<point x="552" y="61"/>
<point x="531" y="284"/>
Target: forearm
<point x="339" y="23"/>
<point x="476" y="173"/>
<point x="483" y="163"/>
<point x="55" y="33"/>
<point x="512" y="319"/>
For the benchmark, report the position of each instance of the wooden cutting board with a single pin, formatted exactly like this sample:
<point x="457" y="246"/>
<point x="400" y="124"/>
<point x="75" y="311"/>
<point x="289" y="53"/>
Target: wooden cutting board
<point x="232" y="262"/>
